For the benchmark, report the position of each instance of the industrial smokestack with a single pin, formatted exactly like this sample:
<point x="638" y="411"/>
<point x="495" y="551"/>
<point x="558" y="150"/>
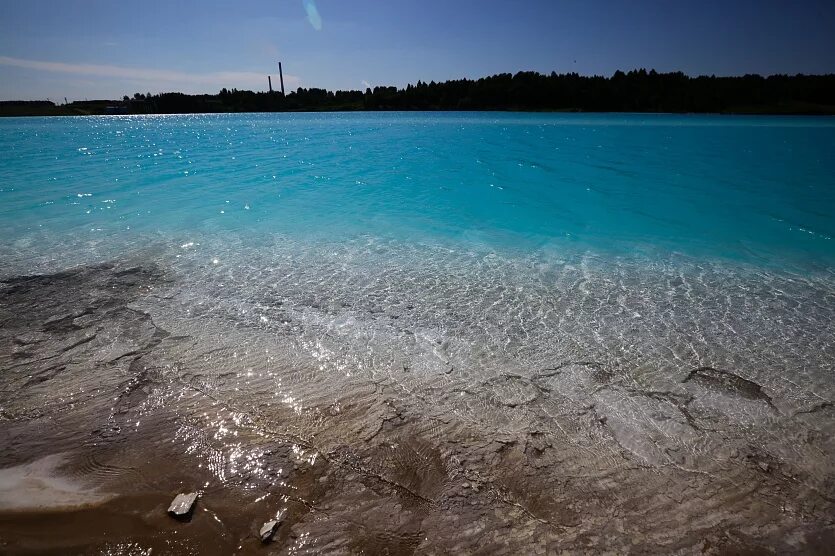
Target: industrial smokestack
<point x="281" y="76"/>
<point x="270" y="81"/>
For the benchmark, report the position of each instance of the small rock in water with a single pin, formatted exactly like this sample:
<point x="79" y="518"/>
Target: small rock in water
<point x="268" y="530"/>
<point x="764" y="466"/>
<point x="182" y="505"/>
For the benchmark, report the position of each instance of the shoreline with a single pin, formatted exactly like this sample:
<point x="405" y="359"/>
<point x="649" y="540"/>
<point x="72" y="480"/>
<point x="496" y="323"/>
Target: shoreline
<point x="636" y="90"/>
<point x="577" y="457"/>
<point x="829" y="113"/>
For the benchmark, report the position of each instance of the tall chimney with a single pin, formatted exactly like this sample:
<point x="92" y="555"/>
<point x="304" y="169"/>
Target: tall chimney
<point x="270" y="81"/>
<point x="281" y="76"/>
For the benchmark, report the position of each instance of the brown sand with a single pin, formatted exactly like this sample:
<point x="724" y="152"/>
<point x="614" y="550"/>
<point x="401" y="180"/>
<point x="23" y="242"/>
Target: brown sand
<point x="105" y="415"/>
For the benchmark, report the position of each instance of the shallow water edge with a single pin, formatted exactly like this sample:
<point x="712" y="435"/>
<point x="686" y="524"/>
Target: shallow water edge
<point x="111" y="370"/>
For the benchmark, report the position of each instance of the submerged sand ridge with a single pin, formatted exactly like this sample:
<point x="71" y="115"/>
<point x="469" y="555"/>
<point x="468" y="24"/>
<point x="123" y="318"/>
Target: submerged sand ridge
<point x="146" y="393"/>
<point x="39" y="486"/>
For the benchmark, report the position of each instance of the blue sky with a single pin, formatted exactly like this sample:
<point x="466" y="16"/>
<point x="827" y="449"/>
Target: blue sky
<point x="107" y="48"/>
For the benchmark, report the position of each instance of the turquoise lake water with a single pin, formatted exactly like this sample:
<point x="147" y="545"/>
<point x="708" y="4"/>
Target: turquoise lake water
<point x="504" y="240"/>
<point x="757" y="190"/>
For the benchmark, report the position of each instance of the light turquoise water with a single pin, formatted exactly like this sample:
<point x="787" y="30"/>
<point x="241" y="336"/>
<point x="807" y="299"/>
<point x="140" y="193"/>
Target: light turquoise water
<point x="757" y="190"/>
<point x="483" y="241"/>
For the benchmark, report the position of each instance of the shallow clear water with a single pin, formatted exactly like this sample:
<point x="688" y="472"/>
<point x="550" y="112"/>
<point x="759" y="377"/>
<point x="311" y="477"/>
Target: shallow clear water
<point x="483" y="271"/>
<point x="508" y="238"/>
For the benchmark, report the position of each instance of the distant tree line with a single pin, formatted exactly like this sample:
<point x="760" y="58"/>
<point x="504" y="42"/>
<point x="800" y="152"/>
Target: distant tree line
<point x="635" y="91"/>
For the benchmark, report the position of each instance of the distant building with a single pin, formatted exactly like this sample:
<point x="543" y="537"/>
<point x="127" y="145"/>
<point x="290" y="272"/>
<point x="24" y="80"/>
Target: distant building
<point x="114" y="109"/>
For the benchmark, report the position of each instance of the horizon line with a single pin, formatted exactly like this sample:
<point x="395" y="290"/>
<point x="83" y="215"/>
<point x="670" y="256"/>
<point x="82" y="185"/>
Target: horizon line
<point x="206" y="78"/>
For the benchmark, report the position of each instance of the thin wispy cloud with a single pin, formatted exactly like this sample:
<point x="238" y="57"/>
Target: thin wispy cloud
<point x="313" y="14"/>
<point x="156" y="77"/>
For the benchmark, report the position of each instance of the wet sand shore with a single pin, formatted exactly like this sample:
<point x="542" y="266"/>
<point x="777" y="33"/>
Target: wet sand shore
<point x="107" y="413"/>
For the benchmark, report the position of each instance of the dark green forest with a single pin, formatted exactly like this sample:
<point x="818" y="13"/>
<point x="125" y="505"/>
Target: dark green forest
<point x="635" y="91"/>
